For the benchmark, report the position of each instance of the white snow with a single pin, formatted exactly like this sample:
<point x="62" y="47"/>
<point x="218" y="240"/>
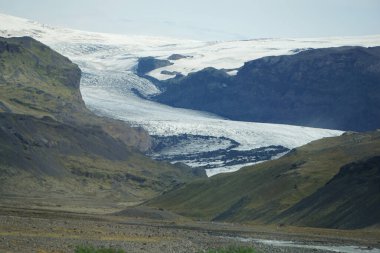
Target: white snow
<point x="120" y="52"/>
<point x="108" y="62"/>
<point x="164" y="120"/>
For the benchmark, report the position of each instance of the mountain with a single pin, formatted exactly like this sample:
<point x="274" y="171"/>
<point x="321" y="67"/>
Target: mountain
<point x="332" y="182"/>
<point x="53" y="149"/>
<point x="110" y="87"/>
<point x="334" y="88"/>
<point x="38" y="81"/>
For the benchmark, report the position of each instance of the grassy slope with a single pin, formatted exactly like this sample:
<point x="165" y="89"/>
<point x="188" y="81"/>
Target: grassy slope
<point x="37" y="81"/>
<point x="261" y="192"/>
<point x="52" y="147"/>
<point x="42" y="157"/>
<point x="349" y="200"/>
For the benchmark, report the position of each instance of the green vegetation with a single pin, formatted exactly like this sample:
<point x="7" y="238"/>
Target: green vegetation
<point x="261" y="193"/>
<point x="233" y="249"/>
<point x="53" y="148"/>
<point x="90" y="249"/>
<point x="349" y="200"/>
<point x="37" y="81"/>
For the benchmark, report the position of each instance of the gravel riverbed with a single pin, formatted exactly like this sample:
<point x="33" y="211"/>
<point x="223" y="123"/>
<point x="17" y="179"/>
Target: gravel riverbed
<point x="61" y="232"/>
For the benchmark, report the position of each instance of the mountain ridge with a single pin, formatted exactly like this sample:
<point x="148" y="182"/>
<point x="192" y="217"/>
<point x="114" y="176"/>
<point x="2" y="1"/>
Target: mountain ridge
<point x="333" y="88"/>
<point x="109" y="84"/>
<point x="53" y="149"/>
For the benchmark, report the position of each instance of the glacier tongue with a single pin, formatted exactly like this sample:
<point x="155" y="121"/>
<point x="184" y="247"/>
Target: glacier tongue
<point x="233" y="144"/>
<point x="110" y="87"/>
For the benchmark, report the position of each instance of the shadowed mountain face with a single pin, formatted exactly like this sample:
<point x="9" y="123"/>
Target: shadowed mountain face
<point x="354" y="193"/>
<point x="320" y="184"/>
<point x="52" y="148"/>
<point x="336" y="88"/>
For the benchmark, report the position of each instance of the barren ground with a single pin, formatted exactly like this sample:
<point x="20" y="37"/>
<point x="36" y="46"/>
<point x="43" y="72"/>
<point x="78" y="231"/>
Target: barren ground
<point x="147" y="230"/>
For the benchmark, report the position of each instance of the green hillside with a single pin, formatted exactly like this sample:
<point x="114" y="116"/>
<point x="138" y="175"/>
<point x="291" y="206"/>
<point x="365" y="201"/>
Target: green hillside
<point x="349" y="200"/>
<point x="37" y="81"/>
<point x="54" y="150"/>
<point x="262" y="193"/>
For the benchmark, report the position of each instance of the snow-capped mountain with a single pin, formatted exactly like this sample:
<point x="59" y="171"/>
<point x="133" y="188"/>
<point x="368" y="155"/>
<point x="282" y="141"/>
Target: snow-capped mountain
<point x="109" y="86"/>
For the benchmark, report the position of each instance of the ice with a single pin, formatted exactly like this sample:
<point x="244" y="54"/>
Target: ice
<point x="164" y="120"/>
<point x="110" y="87"/>
<point x="121" y="52"/>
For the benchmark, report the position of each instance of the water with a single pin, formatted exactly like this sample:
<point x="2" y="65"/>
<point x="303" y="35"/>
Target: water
<point x="332" y="248"/>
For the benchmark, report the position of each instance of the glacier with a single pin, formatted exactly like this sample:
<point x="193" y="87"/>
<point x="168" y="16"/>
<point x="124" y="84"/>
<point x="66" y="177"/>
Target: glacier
<point x="110" y="87"/>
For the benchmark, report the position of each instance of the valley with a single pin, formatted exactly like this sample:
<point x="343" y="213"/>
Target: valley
<point x="110" y="87"/>
<point x="154" y="144"/>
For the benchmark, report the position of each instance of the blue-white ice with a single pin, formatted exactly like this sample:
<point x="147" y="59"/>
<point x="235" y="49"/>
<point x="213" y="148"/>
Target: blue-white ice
<point x="108" y="63"/>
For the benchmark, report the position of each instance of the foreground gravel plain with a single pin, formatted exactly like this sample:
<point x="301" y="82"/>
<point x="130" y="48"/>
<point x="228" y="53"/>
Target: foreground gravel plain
<point x="23" y="230"/>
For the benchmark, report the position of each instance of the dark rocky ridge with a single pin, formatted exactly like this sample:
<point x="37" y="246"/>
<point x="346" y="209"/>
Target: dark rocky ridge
<point x="336" y="88"/>
<point x="175" y="57"/>
<point x="147" y="64"/>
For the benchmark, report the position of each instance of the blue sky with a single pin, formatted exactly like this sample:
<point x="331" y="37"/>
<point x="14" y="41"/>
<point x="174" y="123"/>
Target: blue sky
<point x="207" y="19"/>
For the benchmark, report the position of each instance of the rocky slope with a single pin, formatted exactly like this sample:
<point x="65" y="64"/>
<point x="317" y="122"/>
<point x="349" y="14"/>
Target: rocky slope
<point x="147" y="64"/>
<point x="53" y="149"/>
<point x="304" y="187"/>
<point x="335" y="88"/>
